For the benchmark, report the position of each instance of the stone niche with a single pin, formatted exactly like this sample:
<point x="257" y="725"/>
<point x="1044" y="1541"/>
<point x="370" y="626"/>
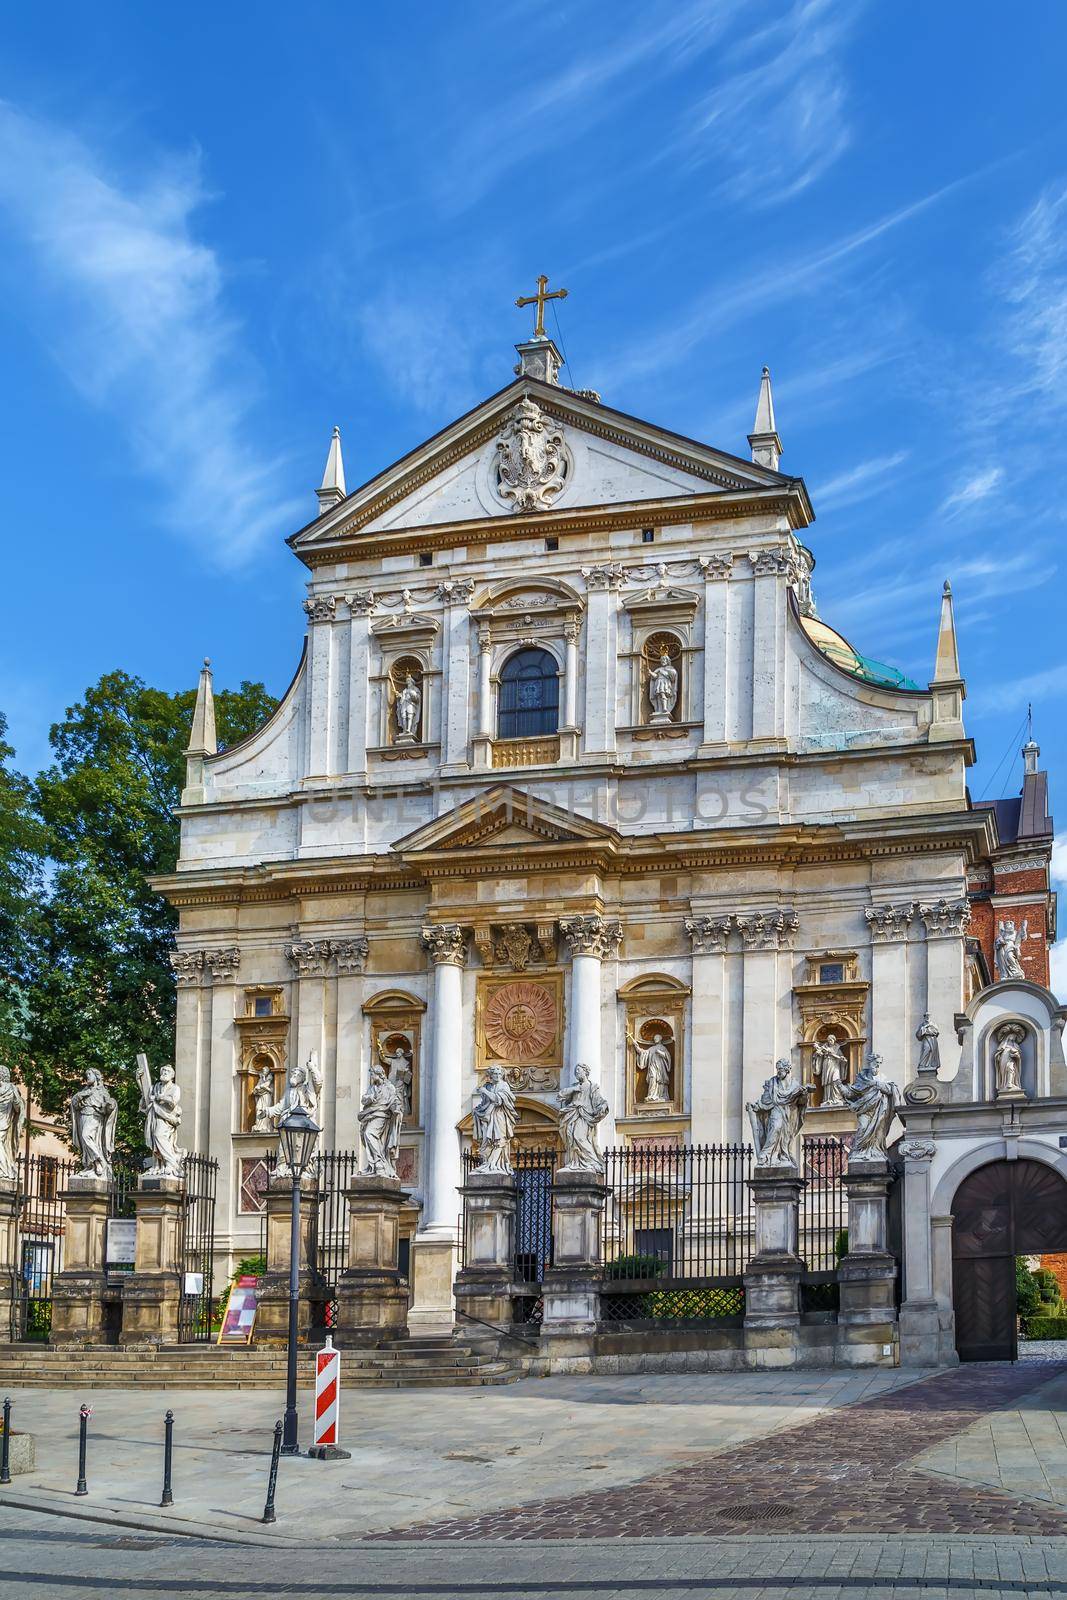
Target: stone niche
<point x="395" y="1045"/>
<point x="654" y="1009"/>
<point x="263" y="1035"/>
<point x="833" y="1000"/>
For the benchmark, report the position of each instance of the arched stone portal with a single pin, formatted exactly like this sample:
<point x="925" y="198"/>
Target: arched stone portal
<point x="1000" y="1211"/>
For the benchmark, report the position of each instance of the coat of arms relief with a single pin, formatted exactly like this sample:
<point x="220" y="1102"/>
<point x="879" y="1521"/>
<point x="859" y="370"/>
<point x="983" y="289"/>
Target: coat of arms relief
<point x="532" y="462"/>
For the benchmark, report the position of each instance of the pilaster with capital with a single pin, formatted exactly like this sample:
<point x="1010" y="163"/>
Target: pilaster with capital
<point x="890" y="927"/>
<point x="946" y="921"/>
<point x="217" y="1011"/>
<point x="591" y="940"/>
<point x="361" y="605"/>
<point x="350" y="1071"/>
<point x="766" y="936"/>
<point x="771" y="570"/>
<point x="717" y="571"/>
<point x="601" y="656"/>
<point x="456" y="595"/>
<point x="310" y="961"/>
<point x="321" y="610"/>
<point x="714" y="1100"/>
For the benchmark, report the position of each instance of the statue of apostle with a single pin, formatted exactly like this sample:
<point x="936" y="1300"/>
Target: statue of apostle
<point x="301" y="1094"/>
<point x="398" y="1071"/>
<point x="830" y="1069"/>
<point x="1008" y="1060"/>
<point x="929" y="1049"/>
<point x="262" y="1097"/>
<point x="162" y="1112"/>
<point x="494" y="1117"/>
<point x="12" y="1121"/>
<point x="1007" y="950"/>
<point x="874" y="1099"/>
<point x="663" y="689"/>
<point x="777" y="1116"/>
<point x="408" y="709"/>
<point x="654" y="1060"/>
<point x="381" y="1113"/>
<point x="582" y="1108"/>
<point x="93" y="1113"/>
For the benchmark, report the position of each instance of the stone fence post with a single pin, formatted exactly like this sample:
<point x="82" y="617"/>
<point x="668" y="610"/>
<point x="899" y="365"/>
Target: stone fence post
<point x="772" y="1278"/>
<point x="10" y="1284"/>
<point x="78" y="1290"/>
<point x="151" y="1293"/>
<point x="484" y="1284"/>
<point x="866" y="1276"/>
<point x="272" y="1313"/>
<point x="571" y="1287"/>
<point x="372" y="1296"/>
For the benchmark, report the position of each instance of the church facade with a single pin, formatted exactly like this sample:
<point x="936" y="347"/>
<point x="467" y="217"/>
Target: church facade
<point x="571" y="771"/>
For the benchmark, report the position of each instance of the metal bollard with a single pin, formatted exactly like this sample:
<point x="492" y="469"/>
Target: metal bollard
<point x="272" y="1481"/>
<point x="83" y="1433"/>
<point x="168" y="1458"/>
<point x="5" y="1447"/>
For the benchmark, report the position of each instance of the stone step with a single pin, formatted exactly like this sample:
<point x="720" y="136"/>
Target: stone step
<point x="490" y="1374"/>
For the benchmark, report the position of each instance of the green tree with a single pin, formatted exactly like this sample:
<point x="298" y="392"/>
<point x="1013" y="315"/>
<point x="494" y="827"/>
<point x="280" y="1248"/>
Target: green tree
<point x="22" y="848"/>
<point x="103" y="987"/>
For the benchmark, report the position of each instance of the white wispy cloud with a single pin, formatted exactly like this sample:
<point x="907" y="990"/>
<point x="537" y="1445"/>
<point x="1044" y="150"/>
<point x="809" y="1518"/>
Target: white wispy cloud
<point x="778" y="125"/>
<point x="975" y="486"/>
<point x="1010" y="694"/>
<point x="131" y="305"/>
<point x="845" y="488"/>
<point x="1033" y="280"/>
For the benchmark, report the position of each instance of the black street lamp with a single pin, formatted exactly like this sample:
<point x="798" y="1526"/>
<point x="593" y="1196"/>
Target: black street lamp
<point x="297" y="1134"/>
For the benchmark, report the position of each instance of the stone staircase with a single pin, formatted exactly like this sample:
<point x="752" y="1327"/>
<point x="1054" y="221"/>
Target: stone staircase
<point x="426" y="1362"/>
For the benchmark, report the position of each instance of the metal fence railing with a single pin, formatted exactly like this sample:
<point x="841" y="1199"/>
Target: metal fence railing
<point x="823" y="1201"/>
<point x="197" y="1249"/>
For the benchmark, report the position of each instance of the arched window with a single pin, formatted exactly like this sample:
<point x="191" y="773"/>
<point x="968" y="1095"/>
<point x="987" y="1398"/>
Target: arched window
<point x="529" y="695"/>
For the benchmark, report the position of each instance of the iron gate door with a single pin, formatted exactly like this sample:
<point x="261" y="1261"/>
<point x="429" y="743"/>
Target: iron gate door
<point x="1004" y="1210"/>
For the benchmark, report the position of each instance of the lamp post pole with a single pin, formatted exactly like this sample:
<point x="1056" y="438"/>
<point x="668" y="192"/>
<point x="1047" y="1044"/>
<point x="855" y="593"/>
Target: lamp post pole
<point x="291" y="1425"/>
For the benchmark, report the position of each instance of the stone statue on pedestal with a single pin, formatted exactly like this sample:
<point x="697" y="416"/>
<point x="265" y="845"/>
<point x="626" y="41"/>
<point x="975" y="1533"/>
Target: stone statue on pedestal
<point x="929" y="1049"/>
<point x="494" y="1117"/>
<point x="1008" y="1060"/>
<point x="874" y="1100"/>
<point x="582" y="1108"/>
<point x="381" y="1114"/>
<point x="663" y="689"/>
<point x="93" y="1114"/>
<point x="162" y="1111"/>
<point x="831" y="1069"/>
<point x="12" y="1121"/>
<point x="654" y="1060"/>
<point x="398" y="1071"/>
<point x="777" y="1117"/>
<point x="301" y="1094"/>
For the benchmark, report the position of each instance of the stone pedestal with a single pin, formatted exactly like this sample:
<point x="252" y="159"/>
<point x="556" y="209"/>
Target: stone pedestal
<point x="272" y="1313"/>
<point x="484" y="1284"/>
<point x="151" y="1293"/>
<point x="10" y="1286"/>
<point x="867" y="1275"/>
<point x="772" y="1279"/>
<point x="78" y="1315"/>
<point x="571" y="1287"/>
<point x="372" y="1297"/>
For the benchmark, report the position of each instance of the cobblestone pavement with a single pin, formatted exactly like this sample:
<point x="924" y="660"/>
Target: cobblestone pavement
<point x="46" y="1556"/>
<point x="848" y="1472"/>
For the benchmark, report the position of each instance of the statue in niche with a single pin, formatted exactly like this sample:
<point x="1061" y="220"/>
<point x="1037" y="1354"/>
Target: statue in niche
<point x="582" y="1108"/>
<point x="1008" y="1060"/>
<point x="494" y="1118"/>
<point x="874" y="1099"/>
<point x="12" y="1121"/>
<point x="162" y="1112"/>
<point x="93" y="1113"/>
<point x="381" y="1113"/>
<point x="663" y="689"/>
<point x="301" y="1094"/>
<point x="929" y="1049"/>
<point x="407" y="710"/>
<point x="655" y="1061"/>
<point x="831" y="1069"/>
<point x="1007" y="949"/>
<point x="398" y="1070"/>
<point x="777" y="1117"/>
<point x="262" y="1098"/>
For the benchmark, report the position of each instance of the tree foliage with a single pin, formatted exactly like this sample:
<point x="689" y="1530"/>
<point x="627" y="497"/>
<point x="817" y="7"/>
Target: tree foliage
<point x="101" y="986"/>
<point x="22" y="850"/>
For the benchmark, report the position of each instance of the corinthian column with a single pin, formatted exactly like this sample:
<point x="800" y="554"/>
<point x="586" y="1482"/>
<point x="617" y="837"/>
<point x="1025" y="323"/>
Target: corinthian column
<point x="433" y="1261"/>
<point x="591" y="939"/>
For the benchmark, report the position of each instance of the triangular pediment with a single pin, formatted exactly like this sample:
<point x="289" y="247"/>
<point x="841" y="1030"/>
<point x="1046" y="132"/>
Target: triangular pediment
<point x="601" y="457"/>
<point x="504" y="817"/>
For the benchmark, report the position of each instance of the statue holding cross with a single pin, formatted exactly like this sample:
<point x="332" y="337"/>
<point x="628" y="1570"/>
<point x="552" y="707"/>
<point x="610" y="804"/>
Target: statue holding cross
<point x="543" y="294"/>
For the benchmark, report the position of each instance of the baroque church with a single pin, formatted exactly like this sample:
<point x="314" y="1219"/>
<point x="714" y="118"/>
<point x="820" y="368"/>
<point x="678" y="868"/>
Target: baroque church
<point x="571" y="770"/>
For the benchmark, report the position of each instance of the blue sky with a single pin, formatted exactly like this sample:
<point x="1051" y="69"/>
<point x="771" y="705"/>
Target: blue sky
<point x="224" y="229"/>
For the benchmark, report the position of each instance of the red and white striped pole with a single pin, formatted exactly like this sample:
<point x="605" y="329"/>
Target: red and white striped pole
<point x="328" y="1405"/>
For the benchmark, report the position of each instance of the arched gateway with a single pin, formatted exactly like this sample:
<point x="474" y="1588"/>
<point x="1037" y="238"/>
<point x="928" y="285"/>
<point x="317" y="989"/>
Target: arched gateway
<point x="1002" y="1210"/>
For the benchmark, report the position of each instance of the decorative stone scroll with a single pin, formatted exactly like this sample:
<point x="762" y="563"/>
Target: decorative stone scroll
<point x="717" y="568"/>
<point x="767" y="930"/>
<point x="224" y="963"/>
<point x="456" y="591"/>
<point x="888" y="923"/>
<point x="604" y="575"/>
<point x="709" y="934"/>
<point x="777" y="561"/>
<point x="350" y="955"/>
<point x="188" y="966"/>
<point x="592" y="936"/>
<point x="362" y="602"/>
<point x="321" y="608"/>
<point x="309" y="957"/>
<point x="532" y="462"/>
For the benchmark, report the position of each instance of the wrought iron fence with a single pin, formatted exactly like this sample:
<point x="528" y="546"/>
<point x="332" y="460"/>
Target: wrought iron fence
<point x="42" y="1209"/>
<point x="335" y="1170"/>
<point x="677" y="1234"/>
<point x="823" y="1206"/>
<point x="533" y="1171"/>
<point x="197" y="1249"/>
